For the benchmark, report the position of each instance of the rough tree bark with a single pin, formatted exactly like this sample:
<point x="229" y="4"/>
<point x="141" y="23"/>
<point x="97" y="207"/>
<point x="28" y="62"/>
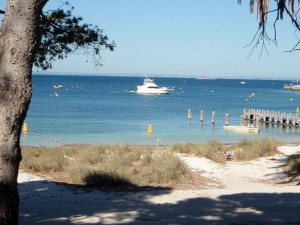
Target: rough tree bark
<point x="18" y="40"/>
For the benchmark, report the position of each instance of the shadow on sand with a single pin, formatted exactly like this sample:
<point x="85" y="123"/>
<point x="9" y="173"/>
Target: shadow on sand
<point x="45" y="202"/>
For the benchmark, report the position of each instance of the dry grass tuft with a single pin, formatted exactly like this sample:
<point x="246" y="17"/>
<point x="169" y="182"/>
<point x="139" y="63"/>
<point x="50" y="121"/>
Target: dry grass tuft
<point x="43" y="159"/>
<point x="212" y="150"/>
<point x="108" y="165"/>
<point x="292" y="165"/>
<point x="116" y="165"/>
<point x="249" y="150"/>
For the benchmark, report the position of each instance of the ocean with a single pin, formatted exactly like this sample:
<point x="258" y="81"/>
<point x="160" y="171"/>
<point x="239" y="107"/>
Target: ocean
<point x="102" y="110"/>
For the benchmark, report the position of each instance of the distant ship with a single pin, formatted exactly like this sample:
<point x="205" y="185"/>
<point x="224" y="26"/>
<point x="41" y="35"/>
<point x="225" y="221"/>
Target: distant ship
<point x="205" y="78"/>
<point x="292" y="87"/>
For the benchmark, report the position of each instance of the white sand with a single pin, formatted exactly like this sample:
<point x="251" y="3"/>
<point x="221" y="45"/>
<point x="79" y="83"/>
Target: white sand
<point x="257" y="192"/>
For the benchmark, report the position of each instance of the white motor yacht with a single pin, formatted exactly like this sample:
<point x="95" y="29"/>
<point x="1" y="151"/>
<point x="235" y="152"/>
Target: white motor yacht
<point x="150" y="87"/>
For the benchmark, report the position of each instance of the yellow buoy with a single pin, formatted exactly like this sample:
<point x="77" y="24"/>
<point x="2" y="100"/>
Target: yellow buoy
<point x="297" y="110"/>
<point x="25" y="129"/>
<point x="150" y="129"/>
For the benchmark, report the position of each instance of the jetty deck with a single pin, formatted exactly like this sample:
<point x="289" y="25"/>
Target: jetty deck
<point x="273" y="117"/>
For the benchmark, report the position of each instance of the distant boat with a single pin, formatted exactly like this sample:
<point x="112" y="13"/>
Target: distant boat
<point x="149" y="87"/>
<point x="205" y="78"/>
<point x="243" y="82"/>
<point x="58" y="86"/>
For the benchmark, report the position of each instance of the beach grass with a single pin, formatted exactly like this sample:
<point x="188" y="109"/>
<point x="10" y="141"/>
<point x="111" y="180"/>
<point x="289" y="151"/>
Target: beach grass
<point x="117" y="165"/>
<point x="245" y="150"/>
<point x="212" y="150"/>
<point x="43" y="159"/>
<point x="108" y="165"/>
<point x="248" y="150"/>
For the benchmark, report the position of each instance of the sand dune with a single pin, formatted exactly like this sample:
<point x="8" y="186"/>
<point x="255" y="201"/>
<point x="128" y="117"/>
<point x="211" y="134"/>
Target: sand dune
<point x="256" y="192"/>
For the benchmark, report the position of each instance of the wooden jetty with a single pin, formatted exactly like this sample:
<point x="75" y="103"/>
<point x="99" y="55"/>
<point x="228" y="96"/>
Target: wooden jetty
<point x="255" y="118"/>
<point x="272" y="117"/>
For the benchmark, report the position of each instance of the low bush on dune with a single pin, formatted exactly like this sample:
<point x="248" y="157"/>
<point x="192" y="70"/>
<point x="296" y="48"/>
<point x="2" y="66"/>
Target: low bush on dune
<point x="43" y="159"/>
<point x="292" y="165"/>
<point x="128" y="164"/>
<point x="108" y="165"/>
<point x="249" y="150"/>
<point x="115" y="165"/>
<point x="242" y="151"/>
<point x="212" y="150"/>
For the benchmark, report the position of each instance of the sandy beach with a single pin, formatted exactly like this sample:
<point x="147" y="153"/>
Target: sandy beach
<point x="255" y="192"/>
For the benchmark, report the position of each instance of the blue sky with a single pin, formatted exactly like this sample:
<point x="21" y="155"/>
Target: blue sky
<point x="182" y="38"/>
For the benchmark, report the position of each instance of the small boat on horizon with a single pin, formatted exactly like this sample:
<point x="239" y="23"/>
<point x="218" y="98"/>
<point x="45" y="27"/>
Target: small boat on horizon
<point x="58" y="86"/>
<point x="149" y="87"/>
<point x="205" y="78"/>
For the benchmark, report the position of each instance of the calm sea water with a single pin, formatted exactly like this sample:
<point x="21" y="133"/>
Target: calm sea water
<point x="101" y="109"/>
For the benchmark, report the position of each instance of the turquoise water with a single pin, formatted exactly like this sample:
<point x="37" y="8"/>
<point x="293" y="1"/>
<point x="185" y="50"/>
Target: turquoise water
<point x="101" y="109"/>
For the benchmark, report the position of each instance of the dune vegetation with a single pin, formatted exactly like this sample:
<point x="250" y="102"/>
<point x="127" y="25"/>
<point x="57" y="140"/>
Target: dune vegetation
<point x="292" y="165"/>
<point x="249" y="150"/>
<point x="107" y="165"/>
<point x="117" y="165"/>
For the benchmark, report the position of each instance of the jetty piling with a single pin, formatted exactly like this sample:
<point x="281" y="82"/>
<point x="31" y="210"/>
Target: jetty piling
<point x="255" y="117"/>
<point x="257" y="122"/>
<point x="213" y="114"/>
<point x="201" y="115"/>
<point x="189" y="114"/>
<point x="226" y="119"/>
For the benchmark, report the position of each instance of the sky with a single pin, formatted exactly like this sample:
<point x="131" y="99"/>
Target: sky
<point x="182" y="38"/>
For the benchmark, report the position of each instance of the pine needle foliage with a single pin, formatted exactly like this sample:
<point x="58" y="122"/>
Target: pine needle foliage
<point x="62" y="33"/>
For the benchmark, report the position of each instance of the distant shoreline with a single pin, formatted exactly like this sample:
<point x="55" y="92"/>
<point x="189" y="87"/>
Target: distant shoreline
<point x="137" y="75"/>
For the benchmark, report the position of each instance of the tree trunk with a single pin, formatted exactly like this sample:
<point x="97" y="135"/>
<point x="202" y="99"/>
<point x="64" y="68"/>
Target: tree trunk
<point x="18" y="39"/>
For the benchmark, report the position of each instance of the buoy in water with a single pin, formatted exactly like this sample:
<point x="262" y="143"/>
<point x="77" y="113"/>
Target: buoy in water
<point x="150" y="129"/>
<point x="297" y="110"/>
<point x="25" y="129"/>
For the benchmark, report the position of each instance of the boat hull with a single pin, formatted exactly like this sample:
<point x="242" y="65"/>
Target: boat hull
<point x="150" y="88"/>
<point x="153" y="92"/>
